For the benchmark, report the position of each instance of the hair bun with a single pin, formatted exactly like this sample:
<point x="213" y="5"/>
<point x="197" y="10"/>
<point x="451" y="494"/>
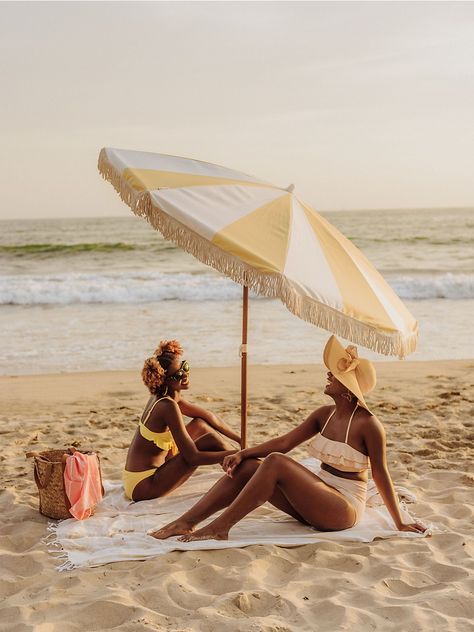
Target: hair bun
<point x="171" y="347"/>
<point x="153" y="375"/>
<point x="153" y="372"/>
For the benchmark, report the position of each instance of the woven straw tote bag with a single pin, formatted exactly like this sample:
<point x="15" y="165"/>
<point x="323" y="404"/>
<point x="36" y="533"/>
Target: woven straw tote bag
<point x="49" y="477"/>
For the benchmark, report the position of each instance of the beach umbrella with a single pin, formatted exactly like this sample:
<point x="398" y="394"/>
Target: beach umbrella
<point x="264" y="237"/>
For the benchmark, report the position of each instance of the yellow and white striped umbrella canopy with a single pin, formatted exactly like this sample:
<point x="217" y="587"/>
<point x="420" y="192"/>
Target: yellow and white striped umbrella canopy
<point x="267" y="238"/>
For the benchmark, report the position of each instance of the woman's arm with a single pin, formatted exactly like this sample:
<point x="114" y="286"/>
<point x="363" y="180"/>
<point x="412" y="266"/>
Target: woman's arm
<point x="283" y="444"/>
<point x="192" y="410"/>
<point x="376" y="448"/>
<point x="172" y="415"/>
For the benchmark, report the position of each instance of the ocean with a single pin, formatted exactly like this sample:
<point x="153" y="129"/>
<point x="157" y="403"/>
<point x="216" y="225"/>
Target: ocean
<point x="96" y="294"/>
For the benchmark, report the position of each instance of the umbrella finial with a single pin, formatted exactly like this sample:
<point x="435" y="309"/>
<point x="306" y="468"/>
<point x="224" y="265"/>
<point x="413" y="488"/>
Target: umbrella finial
<point x="290" y="188"/>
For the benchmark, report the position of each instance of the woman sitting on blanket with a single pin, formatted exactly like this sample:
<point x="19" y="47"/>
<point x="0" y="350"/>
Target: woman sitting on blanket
<point x="346" y="436"/>
<point x="165" y="451"/>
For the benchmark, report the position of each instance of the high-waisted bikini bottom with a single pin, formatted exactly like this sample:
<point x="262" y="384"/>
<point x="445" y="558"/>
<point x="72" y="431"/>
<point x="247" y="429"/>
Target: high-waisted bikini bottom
<point x="354" y="491"/>
<point x="131" y="480"/>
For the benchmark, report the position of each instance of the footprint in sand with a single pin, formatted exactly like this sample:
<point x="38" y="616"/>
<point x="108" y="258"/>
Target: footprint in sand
<point x="426" y="452"/>
<point x="387" y="406"/>
<point x="403" y="588"/>
<point x="449" y="394"/>
<point x="467" y="480"/>
<point x="262" y="603"/>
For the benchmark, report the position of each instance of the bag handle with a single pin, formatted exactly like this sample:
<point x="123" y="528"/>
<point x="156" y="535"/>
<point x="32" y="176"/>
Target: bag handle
<point x="43" y="483"/>
<point x="43" y="459"/>
<point x="49" y="469"/>
<point x="37" y="456"/>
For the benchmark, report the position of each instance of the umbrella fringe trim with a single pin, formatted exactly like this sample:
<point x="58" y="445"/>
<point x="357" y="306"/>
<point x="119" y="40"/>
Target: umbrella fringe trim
<point x="272" y="285"/>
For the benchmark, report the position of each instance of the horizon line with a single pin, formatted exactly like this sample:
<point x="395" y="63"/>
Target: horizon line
<point x="340" y="210"/>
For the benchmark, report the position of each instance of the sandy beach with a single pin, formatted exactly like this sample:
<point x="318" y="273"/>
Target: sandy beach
<point x="158" y="160"/>
<point x="427" y="409"/>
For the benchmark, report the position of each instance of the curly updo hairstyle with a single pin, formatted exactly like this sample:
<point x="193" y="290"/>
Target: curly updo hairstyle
<point x="155" y="367"/>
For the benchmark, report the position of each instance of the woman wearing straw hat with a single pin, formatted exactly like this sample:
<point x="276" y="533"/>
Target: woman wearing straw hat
<point x="165" y="451"/>
<point x="346" y="436"/>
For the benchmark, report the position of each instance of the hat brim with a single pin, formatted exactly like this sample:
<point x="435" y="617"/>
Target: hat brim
<point x="333" y="352"/>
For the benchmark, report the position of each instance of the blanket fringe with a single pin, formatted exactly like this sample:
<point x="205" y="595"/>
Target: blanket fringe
<point x="54" y="547"/>
<point x="66" y="566"/>
<point x="272" y="285"/>
<point x="49" y="538"/>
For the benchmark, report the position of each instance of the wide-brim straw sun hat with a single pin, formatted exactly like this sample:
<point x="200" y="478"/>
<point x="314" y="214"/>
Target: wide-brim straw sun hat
<point x="357" y="374"/>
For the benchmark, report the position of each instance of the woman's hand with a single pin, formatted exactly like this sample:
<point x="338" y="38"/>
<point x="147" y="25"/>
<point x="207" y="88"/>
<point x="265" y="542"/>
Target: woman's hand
<point x="230" y="462"/>
<point x="416" y="527"/>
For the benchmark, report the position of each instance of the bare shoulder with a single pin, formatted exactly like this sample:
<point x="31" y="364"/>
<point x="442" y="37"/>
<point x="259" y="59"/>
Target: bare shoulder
<point x="167" y="404"/>
<point x="320" y="416"/>
<point x="164" y="410"/>
<point x="370" y="424"/>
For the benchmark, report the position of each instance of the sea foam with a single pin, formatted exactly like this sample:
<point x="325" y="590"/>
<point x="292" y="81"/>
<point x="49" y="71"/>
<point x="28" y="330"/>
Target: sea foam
<point x="149" y="287"/>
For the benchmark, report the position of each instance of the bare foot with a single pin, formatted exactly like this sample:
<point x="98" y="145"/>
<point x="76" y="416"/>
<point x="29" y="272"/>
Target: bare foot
<point x="206" y="533"/>
<point x="177" y="527"/>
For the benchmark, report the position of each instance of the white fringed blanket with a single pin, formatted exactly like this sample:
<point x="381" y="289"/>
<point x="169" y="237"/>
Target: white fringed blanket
<point x="118" y="530"/>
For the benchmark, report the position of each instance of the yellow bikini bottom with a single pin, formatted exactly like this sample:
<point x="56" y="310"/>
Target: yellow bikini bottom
<point x="131" y="480"/>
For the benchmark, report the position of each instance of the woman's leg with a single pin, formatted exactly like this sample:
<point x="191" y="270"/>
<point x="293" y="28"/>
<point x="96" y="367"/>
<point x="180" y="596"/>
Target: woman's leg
<point x="175" y="471"/>
<point x="219" y="496"/>
<point x="319" y="505"/>
<point x="197" y="428"/>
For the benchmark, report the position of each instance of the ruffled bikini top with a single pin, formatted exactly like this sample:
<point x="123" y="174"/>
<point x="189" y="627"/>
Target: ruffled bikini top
<point x="162" y="440"/>
<point x="337" y="454"/>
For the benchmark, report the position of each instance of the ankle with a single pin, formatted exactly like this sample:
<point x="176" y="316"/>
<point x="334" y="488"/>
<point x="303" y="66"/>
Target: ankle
<point x="220" y="527"/>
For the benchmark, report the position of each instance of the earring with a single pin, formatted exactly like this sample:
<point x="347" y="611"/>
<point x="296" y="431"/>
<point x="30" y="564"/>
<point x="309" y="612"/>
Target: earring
<point x="165" y="392"/>
<point x="347" y="395"/>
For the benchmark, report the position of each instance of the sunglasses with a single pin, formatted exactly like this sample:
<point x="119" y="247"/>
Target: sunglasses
<point x="181" y="372"/>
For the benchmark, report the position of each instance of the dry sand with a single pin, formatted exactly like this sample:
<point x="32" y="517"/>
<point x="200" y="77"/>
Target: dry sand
<point x="427" y="409"/>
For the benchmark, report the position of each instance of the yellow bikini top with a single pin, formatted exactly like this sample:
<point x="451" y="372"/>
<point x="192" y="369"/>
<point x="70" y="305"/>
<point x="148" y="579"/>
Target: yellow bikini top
<point x="338" y="454"/>
<point x="162" y="440"/>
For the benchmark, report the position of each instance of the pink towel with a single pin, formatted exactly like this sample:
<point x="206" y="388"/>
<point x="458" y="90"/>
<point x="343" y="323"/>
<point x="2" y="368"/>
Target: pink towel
<point x="82" y="483"/>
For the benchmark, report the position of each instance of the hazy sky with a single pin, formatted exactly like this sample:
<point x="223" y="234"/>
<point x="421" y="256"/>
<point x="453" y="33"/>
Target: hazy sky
<point x="360" y="104"/>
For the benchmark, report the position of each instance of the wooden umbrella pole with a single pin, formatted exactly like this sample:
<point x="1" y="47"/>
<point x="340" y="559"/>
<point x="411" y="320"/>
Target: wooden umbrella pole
<point x="243" y="368"/>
